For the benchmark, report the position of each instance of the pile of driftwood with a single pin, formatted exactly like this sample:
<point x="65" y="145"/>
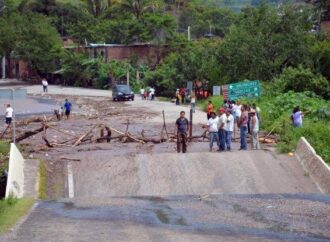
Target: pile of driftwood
<point x="97" y="133"/>
<point x="101" y="132"/>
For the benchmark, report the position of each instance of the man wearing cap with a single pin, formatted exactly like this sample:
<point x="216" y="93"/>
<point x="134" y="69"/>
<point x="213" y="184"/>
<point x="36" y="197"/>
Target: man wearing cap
<point x="255" y="130"/>
<point x="221" y="129"/>
<point x="212" y="125"/>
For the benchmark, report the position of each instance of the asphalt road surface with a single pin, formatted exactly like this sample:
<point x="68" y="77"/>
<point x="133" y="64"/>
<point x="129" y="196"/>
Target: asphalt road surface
<point x="198" y="196"/>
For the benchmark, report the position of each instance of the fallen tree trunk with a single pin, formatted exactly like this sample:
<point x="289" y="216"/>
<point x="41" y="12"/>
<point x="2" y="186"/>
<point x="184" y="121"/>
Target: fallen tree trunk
<point x="28" y="134"/>
<point x="33" y="120"/>
<point x="84" y="136"/>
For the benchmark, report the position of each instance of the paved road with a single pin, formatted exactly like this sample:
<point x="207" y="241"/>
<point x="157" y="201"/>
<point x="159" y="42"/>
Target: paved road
<point x="248" y="195"/>
<point x="246" y="172"/>
<point x="268" y="217"/>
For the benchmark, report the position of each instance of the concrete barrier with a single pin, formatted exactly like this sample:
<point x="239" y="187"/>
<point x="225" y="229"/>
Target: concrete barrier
<point x="314" y="165"/>
<point x="15" y="179"/>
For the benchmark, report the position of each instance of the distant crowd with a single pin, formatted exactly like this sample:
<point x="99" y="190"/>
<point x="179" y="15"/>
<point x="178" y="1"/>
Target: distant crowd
<point x="148" y="93"/>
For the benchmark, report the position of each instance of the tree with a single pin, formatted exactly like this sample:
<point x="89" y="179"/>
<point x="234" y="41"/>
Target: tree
<point x="139" y="7"/>
<point x="264" y="42"/>
<point x="30" y="37"/>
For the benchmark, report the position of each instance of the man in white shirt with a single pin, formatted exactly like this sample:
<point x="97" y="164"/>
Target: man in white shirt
<point x="255" y="130"/>
<point x="9" y="114"/>
<point x="221" y="129"/>
<point x="212" y="125"/>
<point x="152" y="93"/>
<point x="44" y="84"/>
<point x="229" y="128"/>
<point x="142" y="93"/>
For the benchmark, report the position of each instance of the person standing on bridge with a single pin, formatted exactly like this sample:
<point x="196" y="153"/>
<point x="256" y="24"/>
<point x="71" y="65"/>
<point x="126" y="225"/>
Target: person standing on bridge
<point x="212" y="125"/>
<point x="68" y="107"/>
<point x="255" y="130"/>
<point x="182" y="126"/>
<point x="221" y="129"/>
<point x="229" y="128"/>
<point x="243" y="122"/>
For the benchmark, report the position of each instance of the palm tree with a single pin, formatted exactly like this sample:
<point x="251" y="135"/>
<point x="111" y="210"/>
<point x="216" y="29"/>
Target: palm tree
<point x="138" y="7"/>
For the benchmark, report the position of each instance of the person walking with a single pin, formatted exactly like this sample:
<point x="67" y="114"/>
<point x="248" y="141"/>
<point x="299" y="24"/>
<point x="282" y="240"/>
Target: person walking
<point x="229" y="128"/>
<point x="192" y="101"/>
<point x="221" y="129"/>
<point x="297" y="117"/>
<point x="212" y="125"/>
<point x="9" y="114"/>
<point x="209" y="109"/>
<point x="255" y="130"/>
<point x="182" y="126"/>
<point x="68" y="107"/>
<point x="44" y="83"/>
<point x="243" y="122"/>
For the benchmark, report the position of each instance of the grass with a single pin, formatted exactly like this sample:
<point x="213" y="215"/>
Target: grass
<point x="4" y="148"/>
<point x="42" y="180"/>
<point x="11" y="210"/>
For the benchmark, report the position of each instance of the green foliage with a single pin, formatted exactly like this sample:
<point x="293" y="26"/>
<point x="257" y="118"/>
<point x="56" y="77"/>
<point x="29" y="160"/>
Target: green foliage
<point x="30" y="37"/>
<point x="11" y="209"/>
<point x="321" y="57"/>
<point x="264" y="42"/>
<point x="190" y="61"/>
<point x="300" y="80"/>
<point x="202" y="18"/>
<point x="4" y="155"/>
<point x="276" y="111"/>
<point x="43" y="180"/>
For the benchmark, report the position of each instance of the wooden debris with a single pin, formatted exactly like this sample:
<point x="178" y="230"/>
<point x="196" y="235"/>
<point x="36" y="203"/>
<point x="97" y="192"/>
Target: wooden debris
<point x="69" y="158"/>
<point x="84" y="136"/>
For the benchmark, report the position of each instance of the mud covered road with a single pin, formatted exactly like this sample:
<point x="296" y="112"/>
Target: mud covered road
<point x="146" y="192"/>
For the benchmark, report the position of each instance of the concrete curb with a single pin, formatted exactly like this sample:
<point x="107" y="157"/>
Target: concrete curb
<point x="15" y="179"/>
<point x="312" y="163"/>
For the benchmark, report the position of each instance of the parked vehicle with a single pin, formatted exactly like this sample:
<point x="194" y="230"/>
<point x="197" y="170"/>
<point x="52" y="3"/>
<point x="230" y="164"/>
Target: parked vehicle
<point x="122" y="93"/>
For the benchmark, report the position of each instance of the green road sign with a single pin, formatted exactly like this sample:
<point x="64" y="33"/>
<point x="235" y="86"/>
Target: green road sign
<point x="249" y="89"/>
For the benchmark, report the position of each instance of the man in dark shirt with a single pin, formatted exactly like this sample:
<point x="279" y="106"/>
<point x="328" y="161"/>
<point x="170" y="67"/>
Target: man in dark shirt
<point x="182" y="125"/>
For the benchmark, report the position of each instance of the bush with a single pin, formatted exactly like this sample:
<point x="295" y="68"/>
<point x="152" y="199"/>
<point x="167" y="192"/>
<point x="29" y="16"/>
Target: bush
<point x="276" y="111"/>
<point x="300" y="80"/>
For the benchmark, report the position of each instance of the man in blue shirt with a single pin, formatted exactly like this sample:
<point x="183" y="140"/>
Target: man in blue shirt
<point x="67" y="106"/>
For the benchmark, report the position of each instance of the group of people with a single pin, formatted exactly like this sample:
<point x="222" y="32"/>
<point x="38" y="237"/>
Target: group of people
<point x="148" y="93"/>
<point x="222" y="125"/>
<point x="64" y="110"/>
<point x="181" y="95"/>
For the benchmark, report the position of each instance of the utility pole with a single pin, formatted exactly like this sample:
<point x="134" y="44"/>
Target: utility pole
<point x="3" y="67"/>
<point x="191" y="123"/>
<point x="14" y="116"/>
<point x="127" y="77"/>
<point x="189" y="38"/>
